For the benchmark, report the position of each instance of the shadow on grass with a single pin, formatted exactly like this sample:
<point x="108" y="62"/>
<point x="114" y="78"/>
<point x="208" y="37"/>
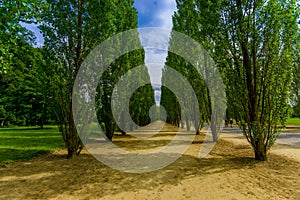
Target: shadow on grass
<point x="9" y="155"/>
<point x="17" y="144"/>
<point x="20" y="128"/>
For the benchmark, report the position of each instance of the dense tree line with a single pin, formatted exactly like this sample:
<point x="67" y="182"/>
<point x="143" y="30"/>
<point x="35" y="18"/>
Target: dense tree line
<point x="37" y="83"/>
<point x="123" y="17"/>
<point x="255" y="45"/>
<point x="23" y="86"/>
<point x="85" y="25"/>
<point x="295" y="94"/>
<point x="185" y="21"/>
<point x="24" y="89"/>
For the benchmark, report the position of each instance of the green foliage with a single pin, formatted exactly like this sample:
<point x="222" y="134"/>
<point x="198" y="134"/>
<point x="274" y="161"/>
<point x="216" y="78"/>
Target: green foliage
<point x="24" y="89"/>
<point x="253" y="44"/>
<point x="72" y="29"/>
<point x="295" y="93"/>
<point x="171" y="105"/>
<point x="22" y="84"/>
<point x="122" y="16"/>
<point x="140" y="103"/>
<point x="22" y="143"/>
<point x="66" y="27"/>
<point x="185" y="20"/>
<point x="11" y="32"/>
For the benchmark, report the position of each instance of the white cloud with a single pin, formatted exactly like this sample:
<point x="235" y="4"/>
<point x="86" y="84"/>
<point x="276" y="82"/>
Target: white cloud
<point x="165" y="14"/>
<point x="154" y="38"/>
<point x="155" y="13"/>
<point x="155" y="42"/>
<point x="155" y="72"/>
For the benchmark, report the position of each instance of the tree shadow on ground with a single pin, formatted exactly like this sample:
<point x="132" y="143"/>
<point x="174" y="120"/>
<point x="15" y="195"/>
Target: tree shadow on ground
<point x="48" y="176"/>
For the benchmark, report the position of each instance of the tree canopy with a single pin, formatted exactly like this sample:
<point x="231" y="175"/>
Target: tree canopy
<point x="252" y="44"/>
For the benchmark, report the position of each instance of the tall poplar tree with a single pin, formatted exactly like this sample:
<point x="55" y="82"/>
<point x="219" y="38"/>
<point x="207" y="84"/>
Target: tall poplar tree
<point x="295" y="96"/>
<point x="125" y="18"/>
<point x="185" y="20"/>
<point x="252" y="43"/>
<point x="71" y="30"/>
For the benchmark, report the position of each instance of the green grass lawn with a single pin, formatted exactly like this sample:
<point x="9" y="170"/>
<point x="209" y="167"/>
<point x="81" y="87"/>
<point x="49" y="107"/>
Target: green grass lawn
<point x="293" y="121"/>
<point x="22" y="143"/>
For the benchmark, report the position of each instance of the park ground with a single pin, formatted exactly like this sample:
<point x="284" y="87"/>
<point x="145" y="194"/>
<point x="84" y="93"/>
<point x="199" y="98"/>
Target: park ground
<point x="227" y="172"/>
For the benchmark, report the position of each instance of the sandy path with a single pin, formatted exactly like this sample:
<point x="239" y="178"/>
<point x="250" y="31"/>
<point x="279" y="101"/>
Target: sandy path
<point x="228" y="172"/>
<point x="289" y="136"/>
<point x="288" y="144"/>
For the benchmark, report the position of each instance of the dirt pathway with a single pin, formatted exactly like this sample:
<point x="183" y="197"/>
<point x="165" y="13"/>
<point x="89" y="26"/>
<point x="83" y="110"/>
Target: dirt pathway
<point x="288" y="144"/>
<point x="289" y="136"/>
<point x="228" y="172"/>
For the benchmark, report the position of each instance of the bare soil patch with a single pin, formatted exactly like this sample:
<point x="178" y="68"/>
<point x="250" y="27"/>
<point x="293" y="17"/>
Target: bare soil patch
<point x="228" y="172"/>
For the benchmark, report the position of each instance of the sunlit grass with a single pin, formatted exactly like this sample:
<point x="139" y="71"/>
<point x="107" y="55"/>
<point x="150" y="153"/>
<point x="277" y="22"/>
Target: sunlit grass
<point x="22" y="143"/>
<point x="293" y="121"/>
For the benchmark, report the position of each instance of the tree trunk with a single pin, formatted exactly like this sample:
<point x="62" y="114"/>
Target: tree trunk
<point x="182" y="124"/>
<point x="123" y="132"/>
<point x="215" y="137"/>
<point x="72" y="141"/>
<point x="109" y="130"/>
<point x="123" y="123"/>
<point x="188" y="127"/>
<point x="260" y="150"/>
<point x="41" y="123"/>
<point x="70" y="153"/>
<point x="199" y="127"/>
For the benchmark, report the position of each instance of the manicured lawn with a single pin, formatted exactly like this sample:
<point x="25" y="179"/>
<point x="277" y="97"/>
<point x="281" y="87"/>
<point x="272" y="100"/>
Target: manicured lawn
<point x="22" y="143"/>
<point x="293" y="121"/>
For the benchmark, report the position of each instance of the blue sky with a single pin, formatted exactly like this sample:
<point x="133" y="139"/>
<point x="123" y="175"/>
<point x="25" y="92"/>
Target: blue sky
<point x="151" y="13"/>
<point x="155" y="13"/>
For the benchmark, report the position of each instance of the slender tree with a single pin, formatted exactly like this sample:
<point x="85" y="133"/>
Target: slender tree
<point x="171" y="104"/>
<point x="124" y="17"/>
<point x="185" y="20"/>
<point x="71" y="29"/>
<point x="295" y="95"/>
<point x="252" y="42"/>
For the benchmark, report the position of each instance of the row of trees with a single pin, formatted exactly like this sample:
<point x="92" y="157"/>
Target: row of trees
<point x="37" y="82"/>
<point x="24" y="89"/>
<point x="255" y="45"/>
<point x="295" y="99"/>
<point x="184" y="21"/>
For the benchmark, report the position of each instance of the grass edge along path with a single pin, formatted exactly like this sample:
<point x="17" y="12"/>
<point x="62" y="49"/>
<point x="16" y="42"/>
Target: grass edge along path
<point x="23" y="143"/>
<point x="293" y="121"/>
